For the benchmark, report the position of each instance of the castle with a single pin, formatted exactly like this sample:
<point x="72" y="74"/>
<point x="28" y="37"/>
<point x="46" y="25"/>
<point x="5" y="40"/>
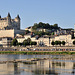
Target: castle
<point x="10" y="27"/>
<point x="7" y="23"/>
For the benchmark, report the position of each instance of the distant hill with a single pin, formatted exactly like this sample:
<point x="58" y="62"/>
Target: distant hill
<point x="45" y="29"/>
<point x="45" y="26"/>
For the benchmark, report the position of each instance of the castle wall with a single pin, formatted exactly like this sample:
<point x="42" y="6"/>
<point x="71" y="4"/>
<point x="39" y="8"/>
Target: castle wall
<point x="3" y="23"/>
<point x="10" y="33"/>
<point x="6" y="33"/>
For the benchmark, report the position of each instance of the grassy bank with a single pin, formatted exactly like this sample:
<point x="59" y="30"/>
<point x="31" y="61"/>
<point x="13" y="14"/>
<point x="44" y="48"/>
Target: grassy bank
<point x="31" y="53"/>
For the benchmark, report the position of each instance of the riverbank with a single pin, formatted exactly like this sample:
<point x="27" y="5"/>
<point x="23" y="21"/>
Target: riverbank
<point x="38" y="52"/>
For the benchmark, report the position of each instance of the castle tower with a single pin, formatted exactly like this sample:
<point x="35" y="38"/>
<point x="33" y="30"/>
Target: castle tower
<point x="0" y="16"/>
<point x="18" y="17"/>
<point x="17" y="20"/>
<point x="8" y="19"/>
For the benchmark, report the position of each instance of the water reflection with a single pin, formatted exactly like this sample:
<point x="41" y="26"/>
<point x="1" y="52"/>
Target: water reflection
<point x="42" y="67"/>
<point x="51" y="67"/>
<point x="8" y="68"/>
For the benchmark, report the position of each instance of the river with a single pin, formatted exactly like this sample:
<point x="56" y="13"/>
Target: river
<point x="42" y="67"/>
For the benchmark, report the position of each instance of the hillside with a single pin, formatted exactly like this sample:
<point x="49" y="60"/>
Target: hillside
<point x="45" y="26"/>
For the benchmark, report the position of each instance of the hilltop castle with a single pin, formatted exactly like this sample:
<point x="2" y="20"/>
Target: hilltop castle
<point x="7" y="23"/>
<point x="10" y="27"/>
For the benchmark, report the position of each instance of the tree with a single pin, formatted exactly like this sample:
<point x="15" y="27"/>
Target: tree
<point x="52" y="33"/>
<point x="44" y="25"/>
<point x="56" y="25"/>
<point x="59" y="42"/>
<point x="14" y="42"/>
<point x="20" y="44"/>
<point x="25" y="42"/>
<point x="33" y="43"/>
<point x="53" y="43"/>
<point x="74" y="42"/>
<point x="63" y="42"/>
<point x="28" y="40"/>
<point x="56" y="42"/>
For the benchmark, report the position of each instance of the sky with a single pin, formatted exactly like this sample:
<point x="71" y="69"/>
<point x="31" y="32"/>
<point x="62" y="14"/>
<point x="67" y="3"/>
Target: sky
<point x="61" y="12"/>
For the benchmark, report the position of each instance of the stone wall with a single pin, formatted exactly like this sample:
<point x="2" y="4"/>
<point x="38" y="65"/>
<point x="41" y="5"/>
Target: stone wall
<point x="10" y="33"/>
<point x="6" y="33"/>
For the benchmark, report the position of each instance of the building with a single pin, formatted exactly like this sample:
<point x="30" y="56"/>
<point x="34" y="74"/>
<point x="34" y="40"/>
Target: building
<point x="43" y="30"/>
<point x="10" y="33"/>
<point x="9" y="28"/>
<point x="47" y="42"/>
<point x="6" y="42"/>
<point x="63" y="32"/>
<point x="8" y="23"/>
<point x="29" y="28"/>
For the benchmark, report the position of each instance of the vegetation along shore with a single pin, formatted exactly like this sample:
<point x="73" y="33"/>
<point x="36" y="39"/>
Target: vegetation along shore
<point x="38" y="52"/>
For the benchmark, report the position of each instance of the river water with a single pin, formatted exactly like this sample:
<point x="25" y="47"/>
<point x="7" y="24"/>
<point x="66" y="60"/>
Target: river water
<point x="42" y="67"/>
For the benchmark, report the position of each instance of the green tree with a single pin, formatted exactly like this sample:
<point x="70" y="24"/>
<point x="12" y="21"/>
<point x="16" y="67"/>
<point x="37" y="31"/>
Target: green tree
<point x="56" y="42"/>
<point x="53" y="43"/>
<point x="59" y="42"/>
<point x="20" y="44"/>
<point x="74" y="42"/>
<point x="55" y="25"/>
<point x="52" y="33"/>
<point x="63" y="42"/>
<point x="14" y="42"/>
<point x="44" y="25"/>
<point x="33" y="43"/>
<point x="28" y="40"/>
<point x="25" y="42"/>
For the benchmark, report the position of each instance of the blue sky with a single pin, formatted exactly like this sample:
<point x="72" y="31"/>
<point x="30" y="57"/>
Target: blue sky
<point x="61" y="12"/>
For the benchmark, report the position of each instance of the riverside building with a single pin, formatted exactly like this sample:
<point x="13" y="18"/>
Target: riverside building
<point x="9" y="28"/>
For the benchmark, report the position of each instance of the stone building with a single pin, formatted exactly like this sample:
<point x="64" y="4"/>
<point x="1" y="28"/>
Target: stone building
<point x="8" y="23"/>
<point x="9" y="28"/>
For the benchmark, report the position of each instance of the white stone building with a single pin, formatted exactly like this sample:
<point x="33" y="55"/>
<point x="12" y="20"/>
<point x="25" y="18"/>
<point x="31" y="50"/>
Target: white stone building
<point x="8" y="23"/>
